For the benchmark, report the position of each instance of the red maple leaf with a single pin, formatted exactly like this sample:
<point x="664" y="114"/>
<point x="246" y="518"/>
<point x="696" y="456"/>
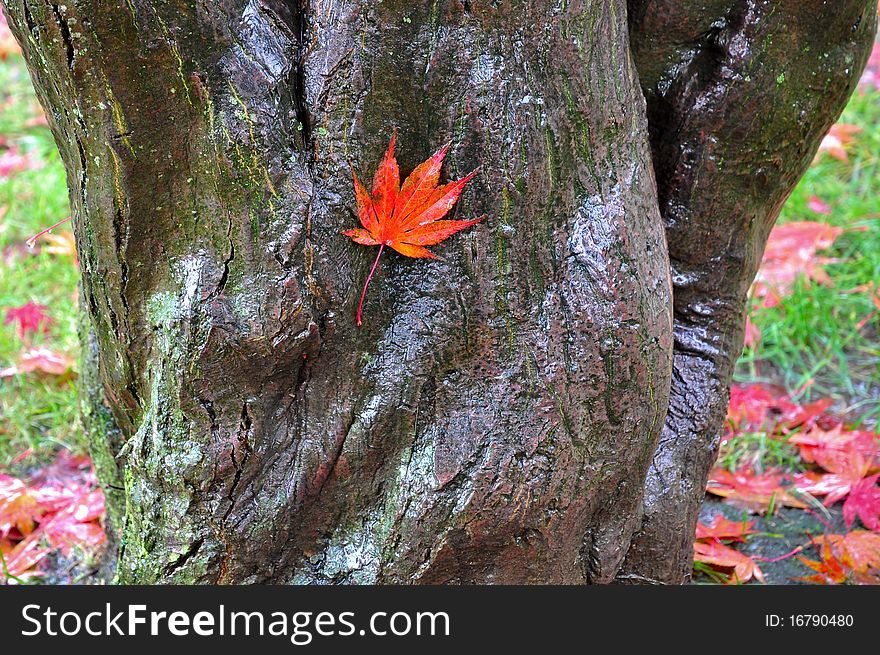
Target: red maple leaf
<point x="863" y="501"/>
<point x="836" y="142"/>
<point x="791" y="252"/>
<point x="845" y="559"/>
<point x="724" y="528"/>
<point x="860" y="547"/>
<point x="406" y="218"/>
<point x="823" y="447"/>
<point x="756" y="492"/>
<point x="59" y="505"/>
<point x="848" y="478"/>
<point x="40" y="360"/>
<point x="30" y="317"/>
<point x="718" y="555"/>
<point x="19" y="559"/>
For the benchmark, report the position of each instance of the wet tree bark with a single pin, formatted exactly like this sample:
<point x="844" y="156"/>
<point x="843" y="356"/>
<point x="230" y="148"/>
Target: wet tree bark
<point x="739" y="92"/>
<point x="496" y="417"/>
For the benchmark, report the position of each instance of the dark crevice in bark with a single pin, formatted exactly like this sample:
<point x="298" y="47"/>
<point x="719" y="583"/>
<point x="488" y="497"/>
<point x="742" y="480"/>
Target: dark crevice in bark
<point x="29" y="19"/>
<point x="301" y="11"/>
<point x="241" y="445"/>
<point x="189" y="554"/>
<point x="65" y="34"/>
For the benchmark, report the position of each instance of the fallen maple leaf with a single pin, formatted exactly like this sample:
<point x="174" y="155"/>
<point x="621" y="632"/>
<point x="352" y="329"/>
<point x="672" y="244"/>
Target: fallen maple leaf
<point x="848" y="479"/>
<point x="835" y="143"/>
<point x="717" y="554"/>
<point x="40" y="360"/>
<point x="756" y="492"/>
<point x="59" y="504"/>
<point x="406" y="218"/>
<point x="29" y="317"/>
<point x="860" y="547"/>
<point x="19" y="559"/>
<point x="830" y="570"/>
<point x="817" y="205"/>
<point x="863" y="501"/>
<point x="724" y="528"/>
<point x="791" y="252"/>
<point x="846" y="559"/>
<point x="818" y="446"/>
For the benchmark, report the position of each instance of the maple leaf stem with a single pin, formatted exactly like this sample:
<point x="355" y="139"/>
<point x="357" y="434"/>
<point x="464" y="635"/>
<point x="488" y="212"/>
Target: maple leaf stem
<point x="367" y="283"/>
<point x="33" y="240"/>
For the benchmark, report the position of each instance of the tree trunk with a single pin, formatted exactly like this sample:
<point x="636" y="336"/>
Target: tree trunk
<point x="496" y="417"/>
<point x="739" y="96"/>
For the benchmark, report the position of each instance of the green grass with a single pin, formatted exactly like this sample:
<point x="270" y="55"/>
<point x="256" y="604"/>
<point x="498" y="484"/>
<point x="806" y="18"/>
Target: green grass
<point x="759" y="452"/>
<point x="35" y="412"/>
<point x="812" y="338"/>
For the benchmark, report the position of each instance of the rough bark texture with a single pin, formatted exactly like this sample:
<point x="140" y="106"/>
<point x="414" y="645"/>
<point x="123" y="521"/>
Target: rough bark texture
<point x="740" y="93"/>
<point x="496" y="417"/>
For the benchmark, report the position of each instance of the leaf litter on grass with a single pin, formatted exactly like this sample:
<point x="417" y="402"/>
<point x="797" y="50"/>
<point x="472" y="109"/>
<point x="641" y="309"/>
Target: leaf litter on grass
<point x="840" y="464"/>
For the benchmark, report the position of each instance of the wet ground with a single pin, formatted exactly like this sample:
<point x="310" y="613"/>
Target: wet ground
<point x="779" y="534"/>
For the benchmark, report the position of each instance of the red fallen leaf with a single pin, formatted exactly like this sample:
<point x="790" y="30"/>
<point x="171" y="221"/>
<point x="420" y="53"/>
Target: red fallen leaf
<point x="818" y="445"/>
<point x="29" y="318"/>
<point x="40" y="360"/>
<point x="749" y="406"/>
<point x="860" y="547"/>
<point x="718" y="555"/>
<point x="752" y="335"/>
<point x="58" y="505"/>
<point x="406" y="218"/>
<point x="819" y="206"/>
<point x="871" y="76"/>
<point x="848" y="479"/>
<point x="835" y="143"/>
<point x="805" y="415"/>
<point x="846" y="559"/>
<point x="846" y="469"/>
<point x="791" y="252"/>
<point x="11" y="162"/>
<point x="724" y="528"/>
<point x="19" y="507"/>
<point x="77" y="524"/>
<point x="66" y="470"/>
<point x="758" y="407"/>
<point x="863" y="501"/>
<point x="21" y="558"/>
<point x="829" y="571"/>
<point x="754" y="492"/>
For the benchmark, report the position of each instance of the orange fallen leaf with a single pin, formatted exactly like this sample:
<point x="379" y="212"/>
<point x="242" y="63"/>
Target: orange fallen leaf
<point x="406" y="218"/>
<point x="718" y="555"/>
<point x="836" y="142"/>
<point x="724" y="528"/>
<point x="756" y="492"/>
